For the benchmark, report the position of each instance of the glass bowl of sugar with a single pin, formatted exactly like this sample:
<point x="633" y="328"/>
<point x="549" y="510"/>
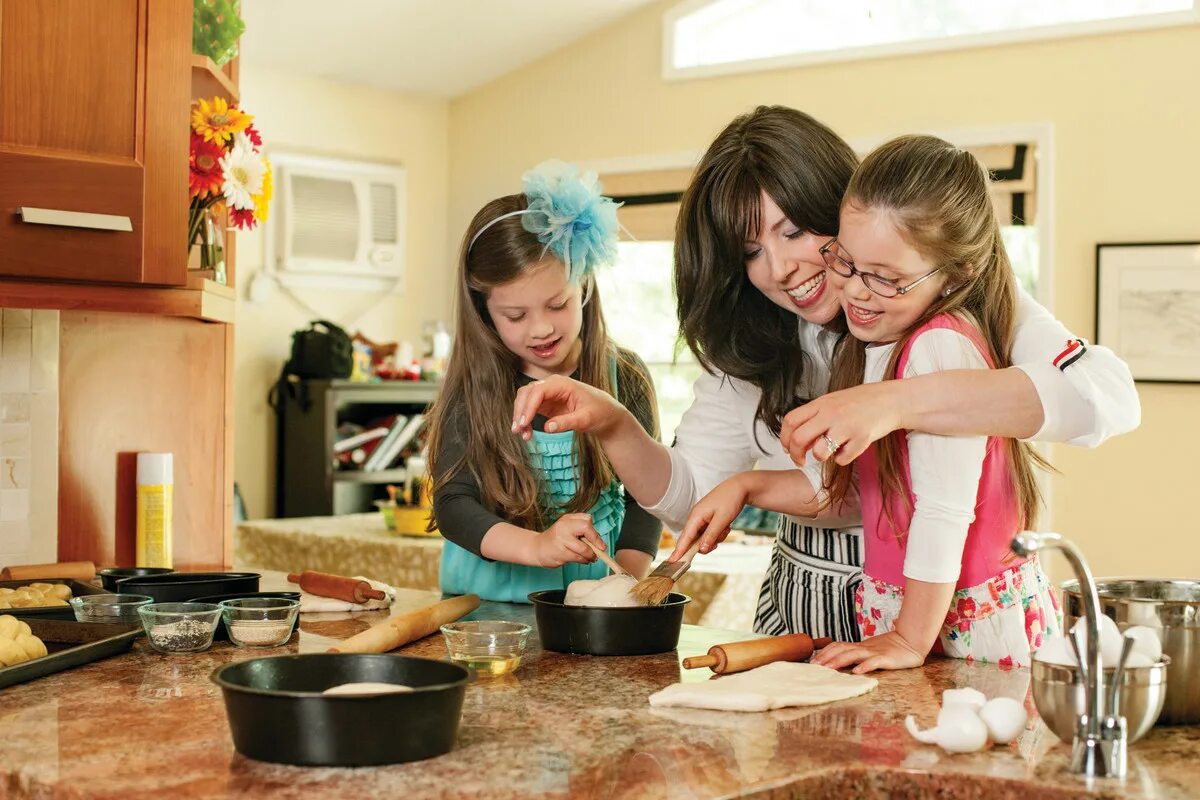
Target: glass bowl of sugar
<point x="259" y="621"/>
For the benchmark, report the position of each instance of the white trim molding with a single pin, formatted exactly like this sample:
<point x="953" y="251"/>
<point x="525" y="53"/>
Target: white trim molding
<point x="671" y="72"/>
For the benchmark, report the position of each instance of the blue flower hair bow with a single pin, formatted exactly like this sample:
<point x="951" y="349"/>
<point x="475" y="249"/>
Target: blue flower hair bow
<point x="570" y="216"/>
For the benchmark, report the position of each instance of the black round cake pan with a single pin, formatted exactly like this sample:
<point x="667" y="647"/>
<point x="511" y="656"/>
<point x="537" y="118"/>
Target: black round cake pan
<point x="588" y="630"/>
<point x="277" y="712"/>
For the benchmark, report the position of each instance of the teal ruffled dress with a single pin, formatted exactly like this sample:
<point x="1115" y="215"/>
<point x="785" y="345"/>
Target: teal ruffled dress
<point x="552" y="458"/>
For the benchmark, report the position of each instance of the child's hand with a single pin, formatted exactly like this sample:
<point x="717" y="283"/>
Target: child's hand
<point x="569" y="405"/>
<point x="562" y="543"/>
<point x="711" y="517"/>
<point x="886" y="651"/>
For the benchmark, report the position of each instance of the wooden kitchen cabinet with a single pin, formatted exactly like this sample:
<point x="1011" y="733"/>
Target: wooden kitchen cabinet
<point x="94" y="99"/>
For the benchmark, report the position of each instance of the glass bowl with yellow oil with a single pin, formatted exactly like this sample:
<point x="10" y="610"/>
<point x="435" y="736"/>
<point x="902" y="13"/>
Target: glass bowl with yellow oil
<point x="486" y="647"/>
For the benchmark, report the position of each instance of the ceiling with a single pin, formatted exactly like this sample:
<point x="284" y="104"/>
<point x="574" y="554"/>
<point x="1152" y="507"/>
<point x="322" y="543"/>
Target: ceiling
<point x="442" y="48"/>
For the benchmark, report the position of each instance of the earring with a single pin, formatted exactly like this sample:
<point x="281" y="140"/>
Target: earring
<point x="946" y="292"/>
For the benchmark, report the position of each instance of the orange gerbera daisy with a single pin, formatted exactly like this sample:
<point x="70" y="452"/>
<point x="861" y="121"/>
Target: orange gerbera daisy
<point x="218" y="121"/>
<point x="205" y="175"/>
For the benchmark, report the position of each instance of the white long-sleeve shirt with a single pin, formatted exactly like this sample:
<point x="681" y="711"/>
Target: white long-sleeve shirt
<point x="944" y="471"/>
<point x="1087" y="395"/>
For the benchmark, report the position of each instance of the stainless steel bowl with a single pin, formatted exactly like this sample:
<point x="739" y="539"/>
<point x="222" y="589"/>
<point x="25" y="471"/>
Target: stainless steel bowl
<point x="1172" y="607"/>
<point x="1058" y="693"/>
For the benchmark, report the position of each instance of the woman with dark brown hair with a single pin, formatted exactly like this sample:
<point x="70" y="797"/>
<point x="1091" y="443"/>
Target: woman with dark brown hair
<point x="755" y="307"/>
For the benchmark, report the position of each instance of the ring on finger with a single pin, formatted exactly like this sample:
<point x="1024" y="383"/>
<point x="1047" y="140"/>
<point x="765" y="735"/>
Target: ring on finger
<point x="832" y="444"/>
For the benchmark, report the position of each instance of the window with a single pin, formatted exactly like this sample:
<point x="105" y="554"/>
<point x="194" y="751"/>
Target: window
<point x="639" y="307"/>
<point x="705" y="37"/>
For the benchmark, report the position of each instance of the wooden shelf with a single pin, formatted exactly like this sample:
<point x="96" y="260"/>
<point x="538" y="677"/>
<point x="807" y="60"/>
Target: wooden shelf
<point x="375" y="476"/>
<point x="212" y="303"/>
<point x="209" y="80"/>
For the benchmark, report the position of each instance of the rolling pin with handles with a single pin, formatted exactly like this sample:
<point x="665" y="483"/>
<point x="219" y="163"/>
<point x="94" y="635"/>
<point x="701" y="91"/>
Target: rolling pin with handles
<point x="322" y="584"/>
<point x="741" y="656"/>
<point x="404" y="628"/>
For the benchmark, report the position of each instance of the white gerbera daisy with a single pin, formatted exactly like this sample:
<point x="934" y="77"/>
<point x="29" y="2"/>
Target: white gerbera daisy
<point x="244" y="170"/>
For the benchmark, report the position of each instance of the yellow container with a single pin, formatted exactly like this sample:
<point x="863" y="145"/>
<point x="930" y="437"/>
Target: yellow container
<point x="155" y="487"/>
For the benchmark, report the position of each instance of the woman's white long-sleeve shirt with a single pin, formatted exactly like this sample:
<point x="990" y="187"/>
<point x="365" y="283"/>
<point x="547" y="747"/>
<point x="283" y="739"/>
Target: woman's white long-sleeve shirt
<point x="1087" y="396"/>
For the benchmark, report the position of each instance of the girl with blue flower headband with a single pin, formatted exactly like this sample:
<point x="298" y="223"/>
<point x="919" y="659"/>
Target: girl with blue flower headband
<point x="519" y="513"/>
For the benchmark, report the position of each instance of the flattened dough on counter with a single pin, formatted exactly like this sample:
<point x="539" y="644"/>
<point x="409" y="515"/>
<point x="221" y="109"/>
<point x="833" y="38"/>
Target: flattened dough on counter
<point x="776" y="685"/>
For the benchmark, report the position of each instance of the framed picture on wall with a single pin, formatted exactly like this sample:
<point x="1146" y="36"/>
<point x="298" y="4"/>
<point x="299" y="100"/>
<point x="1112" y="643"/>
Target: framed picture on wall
<point x="1148" y="308"/>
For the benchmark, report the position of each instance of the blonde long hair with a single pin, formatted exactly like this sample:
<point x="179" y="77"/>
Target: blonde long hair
<point x="481" y="377"/>
<point x="937" y="195"/>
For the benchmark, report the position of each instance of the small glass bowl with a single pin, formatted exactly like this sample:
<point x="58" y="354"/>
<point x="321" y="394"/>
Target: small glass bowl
<point x="259" y="621"/>
<point x="118" y="608"/>
<point x="180" y="627"/>
<point x="487" y="647"/>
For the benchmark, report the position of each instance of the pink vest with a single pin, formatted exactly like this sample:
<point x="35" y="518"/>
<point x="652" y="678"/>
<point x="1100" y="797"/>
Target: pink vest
<point x="997" y="512"/>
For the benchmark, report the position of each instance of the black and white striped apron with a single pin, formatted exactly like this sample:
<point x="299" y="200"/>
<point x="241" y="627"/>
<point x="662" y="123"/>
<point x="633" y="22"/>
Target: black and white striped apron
<point x="809" y="586"/>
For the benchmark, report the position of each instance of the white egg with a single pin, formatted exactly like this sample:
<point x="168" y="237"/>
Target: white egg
<point x="1056" y="650"/>
<point x="964" y="697"/>
<point x="1110" y="640"/>
<point x="1005" y="718"/>
<point x="960" y="730"/>
<point x="1145" y="641"/>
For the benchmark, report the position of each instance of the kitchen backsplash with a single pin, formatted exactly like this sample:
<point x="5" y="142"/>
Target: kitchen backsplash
<point x="28" y="436"/>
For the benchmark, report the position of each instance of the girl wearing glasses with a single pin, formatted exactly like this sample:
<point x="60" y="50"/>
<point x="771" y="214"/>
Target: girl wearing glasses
<point x="926" y="286"/>
<point x="757" y="307"/>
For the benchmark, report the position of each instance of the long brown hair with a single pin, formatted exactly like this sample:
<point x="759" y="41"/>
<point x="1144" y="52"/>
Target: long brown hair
<point x="937" y="195"/>
<point x="729" y="324"/>
<point x="481" y="377"/>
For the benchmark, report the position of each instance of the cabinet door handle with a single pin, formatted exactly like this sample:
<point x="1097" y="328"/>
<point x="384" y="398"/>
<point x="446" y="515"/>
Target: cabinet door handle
<point x="74" y="219"/>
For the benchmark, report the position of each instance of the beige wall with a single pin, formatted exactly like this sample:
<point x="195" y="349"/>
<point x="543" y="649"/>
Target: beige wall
<point x="1126" y="120"/>
<point x="320" y="117"/>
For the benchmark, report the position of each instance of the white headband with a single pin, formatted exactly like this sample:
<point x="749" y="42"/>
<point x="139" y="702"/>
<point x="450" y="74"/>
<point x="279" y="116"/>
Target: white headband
<point x="482" y="230"/>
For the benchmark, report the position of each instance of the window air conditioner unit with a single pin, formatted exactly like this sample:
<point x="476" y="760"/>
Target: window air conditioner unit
<point x="338" y="224"/>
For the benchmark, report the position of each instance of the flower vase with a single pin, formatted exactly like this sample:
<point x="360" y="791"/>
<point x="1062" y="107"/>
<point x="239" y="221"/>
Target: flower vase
<point x="209" y="242"/>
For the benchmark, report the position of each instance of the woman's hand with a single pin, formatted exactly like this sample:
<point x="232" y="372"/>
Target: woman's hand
<point x="562" y="543"/>
<point x="569" y="405"/>
<point x="711" y="517"/>
<point x="852" y="418"/>
<point x="886" y="651"/>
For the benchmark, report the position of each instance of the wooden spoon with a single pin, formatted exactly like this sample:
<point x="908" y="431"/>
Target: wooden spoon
<point x="607" y="559"/>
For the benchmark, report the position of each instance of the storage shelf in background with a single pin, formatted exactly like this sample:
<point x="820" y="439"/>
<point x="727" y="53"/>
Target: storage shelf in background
<point x="415" y="392"/>
<point x="371" y="476"/>
<point x="209" y="80"/>
<point x="208" y="304"/>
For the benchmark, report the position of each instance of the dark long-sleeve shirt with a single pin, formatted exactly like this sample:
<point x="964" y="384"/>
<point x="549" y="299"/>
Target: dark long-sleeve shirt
<point x="462" y="517"/>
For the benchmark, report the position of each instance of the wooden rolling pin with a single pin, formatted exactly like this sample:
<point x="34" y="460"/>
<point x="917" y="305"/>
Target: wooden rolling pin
<point x="741" y="656"/>
<point x="322" y="584"/>
<point x="72" y="570"/>
<point x="404" y="628"/>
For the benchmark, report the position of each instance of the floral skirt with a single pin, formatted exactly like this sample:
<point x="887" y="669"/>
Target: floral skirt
<point x="1003" y="620"/>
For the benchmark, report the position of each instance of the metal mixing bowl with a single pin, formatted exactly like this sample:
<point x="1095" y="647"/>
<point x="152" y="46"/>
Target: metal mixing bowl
<point x="1058" y="693"/>
<point x="1172" y="607"/>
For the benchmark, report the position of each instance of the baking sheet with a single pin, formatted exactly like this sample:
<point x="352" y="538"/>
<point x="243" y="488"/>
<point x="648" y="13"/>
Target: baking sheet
<point x="70" y="644"/>
<point x="50" y="612"/>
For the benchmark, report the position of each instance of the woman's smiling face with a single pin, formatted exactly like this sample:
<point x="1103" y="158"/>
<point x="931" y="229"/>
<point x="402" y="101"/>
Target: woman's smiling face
<point x="785" y="264"/>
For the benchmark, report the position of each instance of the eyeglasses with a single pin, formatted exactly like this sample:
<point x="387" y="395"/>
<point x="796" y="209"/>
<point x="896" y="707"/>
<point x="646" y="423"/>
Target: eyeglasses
<point x="832" y="251"/>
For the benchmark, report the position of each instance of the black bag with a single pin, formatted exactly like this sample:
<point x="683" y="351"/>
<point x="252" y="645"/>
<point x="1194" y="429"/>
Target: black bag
<point x="323" y="350"/>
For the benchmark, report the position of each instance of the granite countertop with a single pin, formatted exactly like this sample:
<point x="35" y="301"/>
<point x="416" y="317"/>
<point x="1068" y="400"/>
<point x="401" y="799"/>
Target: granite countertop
<point x="146" y="724"/>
